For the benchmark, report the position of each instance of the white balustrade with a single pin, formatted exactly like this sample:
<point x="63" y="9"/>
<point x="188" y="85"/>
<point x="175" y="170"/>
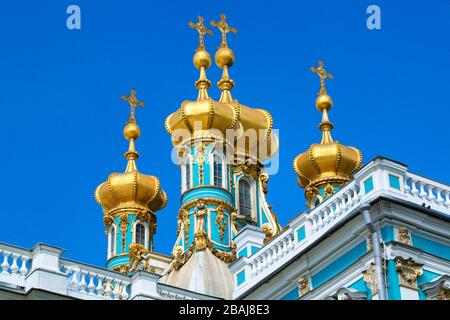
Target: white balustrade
<point x="94" y="284"/>
<point x="14" y="264"/>
<point x="427" y="192"/>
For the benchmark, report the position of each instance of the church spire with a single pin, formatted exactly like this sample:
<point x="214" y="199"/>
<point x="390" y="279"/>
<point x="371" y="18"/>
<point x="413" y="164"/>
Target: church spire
<point x="202" y="59"/>
<point x="324" y="102"/>
<point x="224" y="59"/>
<point x="131" y="130"/>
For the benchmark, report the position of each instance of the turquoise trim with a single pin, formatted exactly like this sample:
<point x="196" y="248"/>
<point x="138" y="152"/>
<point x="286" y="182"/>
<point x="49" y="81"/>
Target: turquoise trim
<point x="387" y="234"/>
<point x="368" y="185"/>
<point x="338" y="265"/>
<point x="254" y="250"/>
<point x="243" y="253"/>
<point x="116" y="261"/>
<point x="206" y="192"/>
<point x="301" y="234"/>
<point x="431" y="247"/>
<point x="361" y="286"/>
<point x="240" y="277"/>
<point x="393" y="285"/>
<point x="427" y="276"/>
<point x="292" y="295"/>
<point x="394" y="182"/>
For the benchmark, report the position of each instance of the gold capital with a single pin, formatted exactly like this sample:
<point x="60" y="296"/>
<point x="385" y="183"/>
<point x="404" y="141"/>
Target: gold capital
<point x="202" y="30"/>
<point x="323" y="74"/>
<point x="133" y="102"/>
<point x="223" y="26"/>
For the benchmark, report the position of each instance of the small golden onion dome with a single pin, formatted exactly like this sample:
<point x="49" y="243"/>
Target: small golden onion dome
<point x="199" y="116"/>
<point x="331" y="163"/>
<point x="131" y="189"/>
<point x="328" y="164"/>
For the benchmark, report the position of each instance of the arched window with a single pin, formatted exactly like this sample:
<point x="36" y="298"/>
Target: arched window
<point x="218" y="171"/>
<point x="112" y="241"/>
<point x="187" y="173"/>
<point x="139" y="234"/>
<point x="245" y="198"/>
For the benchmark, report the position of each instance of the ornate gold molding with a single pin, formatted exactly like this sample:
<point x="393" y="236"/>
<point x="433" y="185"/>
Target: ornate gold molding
<point x="209" y="201"/>
<point x="267" y="229"/>
<point x="264" y="179"/>
<point x="183" y="220"/>
<point x="443" y="294"/>
<point x="122" y="268"/>
<point x="403" y="236"/>
<point x="248" y="169"/>
<point x="303" y="286"/>
<point x="408" y="270"/>
<point x="124" y="220"/>
<point x="227" y="257"/>
<point x="370" y="279"/>
<point x="220" y="221"/>
<point x="200" y="154"/>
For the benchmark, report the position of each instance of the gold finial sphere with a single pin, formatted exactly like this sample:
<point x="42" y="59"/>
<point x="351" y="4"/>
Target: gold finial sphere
<point x="131" y="131"/>
<point x="224" y="57"/>
<point x="324" y="102"/>
<point x="202" y="59"/>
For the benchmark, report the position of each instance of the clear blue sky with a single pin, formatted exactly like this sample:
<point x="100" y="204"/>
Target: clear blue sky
<point x="62" y="118"/>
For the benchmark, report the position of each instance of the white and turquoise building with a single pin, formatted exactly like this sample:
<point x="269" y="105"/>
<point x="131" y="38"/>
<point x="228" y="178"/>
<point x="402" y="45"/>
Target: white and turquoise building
<point x="372" y="231"/>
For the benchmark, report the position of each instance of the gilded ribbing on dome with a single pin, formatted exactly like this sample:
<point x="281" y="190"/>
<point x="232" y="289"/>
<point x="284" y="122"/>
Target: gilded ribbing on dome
<point x="205" y="116"/>
<point x="328" y="165"/>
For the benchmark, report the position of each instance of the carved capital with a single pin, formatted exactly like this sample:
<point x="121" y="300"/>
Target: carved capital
<point x="370" y="279"/>
<point x="408" y="271"/>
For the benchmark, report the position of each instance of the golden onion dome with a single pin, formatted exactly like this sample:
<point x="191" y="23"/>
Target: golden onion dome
<point x="327" y="165"/>
<point x="205" y="115"/>
<point x="131" y="189"/>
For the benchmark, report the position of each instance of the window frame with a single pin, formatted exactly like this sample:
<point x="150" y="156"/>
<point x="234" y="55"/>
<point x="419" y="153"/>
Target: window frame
<point x="212" y="164"/>
<point x="251" y="195"/>
<point x="112" y="241"/>
<point x="184" y="182"/>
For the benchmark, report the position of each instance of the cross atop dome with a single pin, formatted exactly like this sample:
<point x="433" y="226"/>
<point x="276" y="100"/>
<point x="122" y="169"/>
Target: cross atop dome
<point x="323" y="74"/>
<point x="223" y="26"/>
<point x="202" y="31"/>
<point x="133" y="102"/>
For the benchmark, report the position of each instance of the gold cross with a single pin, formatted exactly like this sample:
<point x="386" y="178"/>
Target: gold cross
<point x="202" y="30"/>
<point x="223" y="26"/>
<point x="133" y="102"/>
<point x="323" y="74"/>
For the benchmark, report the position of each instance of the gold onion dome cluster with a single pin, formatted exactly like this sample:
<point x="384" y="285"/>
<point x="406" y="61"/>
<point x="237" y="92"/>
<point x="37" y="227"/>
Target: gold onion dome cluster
<point x="131" y="189"/>
<point x="327" y="164"/>
<point x="205" y="115"/>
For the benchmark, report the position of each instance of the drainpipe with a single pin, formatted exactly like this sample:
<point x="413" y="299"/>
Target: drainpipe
<point x="381" y="286"/>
